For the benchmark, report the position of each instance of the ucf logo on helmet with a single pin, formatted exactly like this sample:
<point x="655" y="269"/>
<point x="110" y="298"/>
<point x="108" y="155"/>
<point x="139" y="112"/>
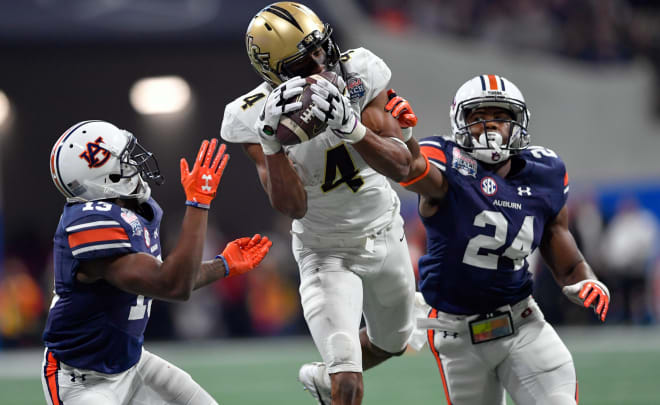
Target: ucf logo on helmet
<point x="91" y="154"/>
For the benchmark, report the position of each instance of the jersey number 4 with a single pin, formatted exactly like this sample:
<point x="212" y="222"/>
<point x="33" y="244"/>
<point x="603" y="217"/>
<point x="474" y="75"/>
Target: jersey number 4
<point x="519" y="249"/>
<point x="340" y="169"/>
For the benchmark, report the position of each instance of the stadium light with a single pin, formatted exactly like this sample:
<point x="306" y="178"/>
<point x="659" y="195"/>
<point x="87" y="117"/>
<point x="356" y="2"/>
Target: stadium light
<point x="5" y="108"/>
<point x="160" y="95"/>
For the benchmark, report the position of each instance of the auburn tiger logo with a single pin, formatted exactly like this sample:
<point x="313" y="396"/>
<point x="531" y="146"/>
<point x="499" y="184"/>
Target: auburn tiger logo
<point x="91" y="155"/>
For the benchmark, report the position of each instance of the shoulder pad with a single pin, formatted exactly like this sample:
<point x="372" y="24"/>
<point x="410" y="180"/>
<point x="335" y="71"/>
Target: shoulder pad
<point x="366" y="75"/>
<point x="95" y="229"/>
<point x="241" y="114"/>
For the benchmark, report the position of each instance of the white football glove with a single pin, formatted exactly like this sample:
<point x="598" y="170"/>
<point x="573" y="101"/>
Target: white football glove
<point x="586" y="292"/>
<point x="277" y="103"/>
<point x="333" y="108"/>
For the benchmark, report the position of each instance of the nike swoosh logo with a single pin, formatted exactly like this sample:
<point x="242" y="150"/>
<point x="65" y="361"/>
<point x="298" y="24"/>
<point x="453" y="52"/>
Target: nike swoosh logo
<point x="402" y="236"/>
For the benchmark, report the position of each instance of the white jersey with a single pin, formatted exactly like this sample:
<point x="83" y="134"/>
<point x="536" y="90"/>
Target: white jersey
<point x="345" y="196"/>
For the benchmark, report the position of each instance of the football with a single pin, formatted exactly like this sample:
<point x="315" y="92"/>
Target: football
<point x="302" y="125"/>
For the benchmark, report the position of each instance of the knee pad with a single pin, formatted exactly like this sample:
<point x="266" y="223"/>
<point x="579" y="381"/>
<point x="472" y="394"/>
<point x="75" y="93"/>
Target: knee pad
<point x="559" y="398"/>
<point x="172" y="383"/>
<point x="342" y="349"/>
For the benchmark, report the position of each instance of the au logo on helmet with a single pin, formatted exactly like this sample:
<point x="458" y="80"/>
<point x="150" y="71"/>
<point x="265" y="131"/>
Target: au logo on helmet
<point x="91" y="154"/>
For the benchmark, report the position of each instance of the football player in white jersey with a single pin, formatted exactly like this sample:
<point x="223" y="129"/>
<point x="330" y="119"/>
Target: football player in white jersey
<point x="347" y="232"/>
<point x="487" y="200"/>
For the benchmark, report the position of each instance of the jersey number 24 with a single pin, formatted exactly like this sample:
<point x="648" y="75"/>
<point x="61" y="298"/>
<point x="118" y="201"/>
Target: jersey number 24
<point x="519" y="249"/>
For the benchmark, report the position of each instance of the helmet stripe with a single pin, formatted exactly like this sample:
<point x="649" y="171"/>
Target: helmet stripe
<point x="483" y="83"/>
<point x="53" y="172"/>
<point x="285" y="15"/>
<point x="55" y="169"/>
<point x="502" y="83"/>
<point x="492" y="81"/>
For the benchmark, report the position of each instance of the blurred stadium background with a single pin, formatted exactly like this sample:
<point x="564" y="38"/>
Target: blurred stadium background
<point x="589" y="69"/>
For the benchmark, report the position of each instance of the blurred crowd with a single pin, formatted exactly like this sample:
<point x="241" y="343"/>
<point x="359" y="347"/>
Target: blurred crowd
<point x="594" y="31"/>
<point x="623" y="247"/>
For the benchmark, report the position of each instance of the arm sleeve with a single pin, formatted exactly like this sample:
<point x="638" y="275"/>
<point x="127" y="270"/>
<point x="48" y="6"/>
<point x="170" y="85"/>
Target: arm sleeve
<point x="235" y="130"/>
<point x="434" y="149"/>
<point x="99" y="235"/>
<point x="561" y="185"/>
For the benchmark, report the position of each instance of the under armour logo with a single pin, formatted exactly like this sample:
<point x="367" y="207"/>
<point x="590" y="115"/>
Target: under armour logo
<point x="524" y="190"/>
<point x="81" y="376"/>
<point x="448" y="334"/>
<point x="206" y="178"/>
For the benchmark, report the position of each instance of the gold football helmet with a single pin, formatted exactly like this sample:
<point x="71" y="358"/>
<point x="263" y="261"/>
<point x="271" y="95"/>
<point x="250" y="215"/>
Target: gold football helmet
<point x="282" y="40"/>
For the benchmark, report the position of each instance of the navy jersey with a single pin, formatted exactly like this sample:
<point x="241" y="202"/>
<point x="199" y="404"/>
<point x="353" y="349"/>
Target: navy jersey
<point x="486" y="226"/>
<point x="97" y="326"/>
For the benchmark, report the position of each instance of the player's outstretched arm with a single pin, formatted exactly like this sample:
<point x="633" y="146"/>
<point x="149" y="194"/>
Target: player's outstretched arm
<point x="375" y="135"/>
<point x="423" y="178"/>
<point x="238" y="257"/>
<point x="573" y="274"/>
<point x="173" y="279"/>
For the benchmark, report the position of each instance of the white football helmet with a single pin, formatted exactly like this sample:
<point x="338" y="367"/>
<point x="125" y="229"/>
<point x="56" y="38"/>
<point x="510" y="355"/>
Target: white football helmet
<point x="489" y="91"/>
<point x="95" y="160"/>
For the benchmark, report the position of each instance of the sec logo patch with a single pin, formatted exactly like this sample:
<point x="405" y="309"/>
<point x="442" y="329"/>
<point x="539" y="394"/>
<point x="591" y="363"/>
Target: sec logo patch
<point x="488" y="186"/>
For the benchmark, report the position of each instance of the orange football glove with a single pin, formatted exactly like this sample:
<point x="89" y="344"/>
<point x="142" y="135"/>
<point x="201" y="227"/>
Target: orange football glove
<point x="590" y="293"/>
<point x="202" y="183"/>
<point x="400" y="109"/>
<point x="244" y="254"/>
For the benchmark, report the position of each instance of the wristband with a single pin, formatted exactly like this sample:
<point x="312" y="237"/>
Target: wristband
<point x="269" y="143"/>
<point x="406" y="133"/>
<point x="357" y="133"/>
<point x="224" y="261"/>
<point x="198" y="205"/>
<point x="421" y="176"/>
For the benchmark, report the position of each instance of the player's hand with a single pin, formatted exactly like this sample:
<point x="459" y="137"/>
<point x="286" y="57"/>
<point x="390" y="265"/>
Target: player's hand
<point x="590" y="293"/>
<point x="202" y="183"/>
<point x="400" y="109"/>
<point x="334" y="108"/>
<point x="244" y="254"/>
<point x="279" y="101"/>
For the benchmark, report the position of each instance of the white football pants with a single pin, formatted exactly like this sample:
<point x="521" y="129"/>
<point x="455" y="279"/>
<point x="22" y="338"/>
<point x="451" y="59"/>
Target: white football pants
<point x="533" y="365"/>
<point x="343" y="279"/>
<point x="151" y="381"/>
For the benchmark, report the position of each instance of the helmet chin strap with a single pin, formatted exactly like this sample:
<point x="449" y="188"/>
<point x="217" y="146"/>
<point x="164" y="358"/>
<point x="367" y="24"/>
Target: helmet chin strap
<point x="489" y="148"/>
<point x="144" y="192"/>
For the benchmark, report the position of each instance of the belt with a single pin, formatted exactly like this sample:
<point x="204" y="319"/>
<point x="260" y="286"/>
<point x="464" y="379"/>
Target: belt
<point x="519" y="311"/>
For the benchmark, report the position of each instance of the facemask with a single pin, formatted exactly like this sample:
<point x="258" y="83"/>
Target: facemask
<point x="488" y="148"/>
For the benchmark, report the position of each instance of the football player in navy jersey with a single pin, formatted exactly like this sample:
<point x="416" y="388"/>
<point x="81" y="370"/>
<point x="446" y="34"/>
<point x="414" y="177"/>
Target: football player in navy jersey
<point x="488" y="200"/>
<point x="108" y="267"/>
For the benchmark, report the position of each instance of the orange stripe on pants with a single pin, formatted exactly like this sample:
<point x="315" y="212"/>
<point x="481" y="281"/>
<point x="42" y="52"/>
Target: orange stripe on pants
<point x="52" y="365"/>
<point x="431" y="335"/>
